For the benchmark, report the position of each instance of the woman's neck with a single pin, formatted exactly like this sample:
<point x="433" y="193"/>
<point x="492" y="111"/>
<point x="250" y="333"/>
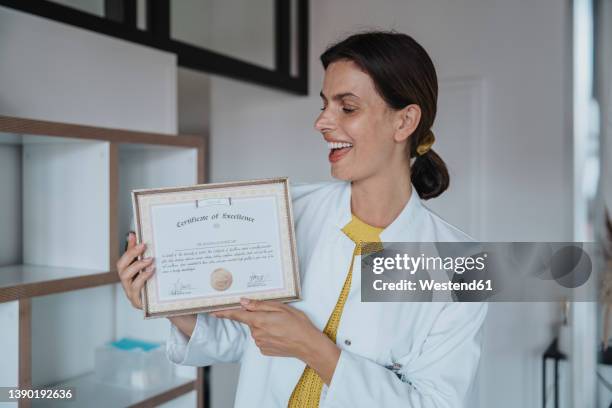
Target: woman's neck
<point x="378" y="200"/>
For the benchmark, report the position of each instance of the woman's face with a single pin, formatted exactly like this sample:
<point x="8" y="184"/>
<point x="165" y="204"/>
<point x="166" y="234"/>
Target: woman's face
<point x="359" y="127"/>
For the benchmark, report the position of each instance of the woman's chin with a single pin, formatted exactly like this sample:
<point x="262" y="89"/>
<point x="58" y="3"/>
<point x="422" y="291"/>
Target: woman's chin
<point x="340" y="174"/>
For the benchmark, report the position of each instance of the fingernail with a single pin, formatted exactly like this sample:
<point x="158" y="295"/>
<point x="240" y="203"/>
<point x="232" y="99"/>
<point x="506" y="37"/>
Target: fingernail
<point x="244" y="301"/>
<point x="151" y="268"/>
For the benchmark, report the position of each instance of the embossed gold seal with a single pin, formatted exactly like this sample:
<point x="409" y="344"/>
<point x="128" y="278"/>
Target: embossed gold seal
<point x="221" y="279"/>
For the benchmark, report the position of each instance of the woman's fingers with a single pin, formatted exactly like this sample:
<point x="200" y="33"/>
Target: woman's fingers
<point x="131" y="240"/>
<point x="129" y="255"/>
<point x="128" y="273"/>
<point x="128" y="284"/>
<point x="138" y="284"/>
<point x="262" y="305"/>
<point x="128" y="268"/>
<point x="142" y="277"/>
<point x="238" y="315"/>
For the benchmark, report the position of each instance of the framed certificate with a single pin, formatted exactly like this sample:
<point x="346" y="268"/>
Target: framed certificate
<point x="215" y="243"/>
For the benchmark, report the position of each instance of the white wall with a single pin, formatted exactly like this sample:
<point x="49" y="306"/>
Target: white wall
<point x="57" y="72"/>
<point x="517" y="51"/>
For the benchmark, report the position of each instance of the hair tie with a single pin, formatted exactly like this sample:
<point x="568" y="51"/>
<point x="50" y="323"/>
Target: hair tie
<point x="426" y="144"/>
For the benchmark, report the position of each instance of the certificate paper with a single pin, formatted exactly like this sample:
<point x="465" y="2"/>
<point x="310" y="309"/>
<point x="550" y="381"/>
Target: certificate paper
<point x="216" y="243"/>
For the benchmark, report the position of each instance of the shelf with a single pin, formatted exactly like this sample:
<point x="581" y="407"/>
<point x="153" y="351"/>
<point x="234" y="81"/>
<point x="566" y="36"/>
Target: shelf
<point x="64" y="210"/>
<point x="25" y="281"/>
<point x="93" y="394"/>
<point x="55" y="208"/>
<point x="66" y="199"/>
<point x="11" y="126"/>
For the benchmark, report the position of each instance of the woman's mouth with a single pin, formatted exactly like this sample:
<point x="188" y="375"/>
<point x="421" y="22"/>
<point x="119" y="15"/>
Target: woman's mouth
<point x="338" y="150"/>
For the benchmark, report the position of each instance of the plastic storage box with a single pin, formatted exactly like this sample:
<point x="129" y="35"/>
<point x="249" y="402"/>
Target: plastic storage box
<point x="133" y="364"/>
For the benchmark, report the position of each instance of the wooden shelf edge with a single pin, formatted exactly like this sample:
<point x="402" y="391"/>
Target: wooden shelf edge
<point x="16" y="125"/>
<point x="29" y="290"/>
<point x="166" y="396"/>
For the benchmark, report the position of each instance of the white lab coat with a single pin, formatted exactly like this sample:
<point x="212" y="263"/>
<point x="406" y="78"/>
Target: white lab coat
<point x="435" y="346"/>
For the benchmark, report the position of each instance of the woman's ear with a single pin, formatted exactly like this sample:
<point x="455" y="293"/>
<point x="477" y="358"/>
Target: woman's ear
<point x="408" y="120"/>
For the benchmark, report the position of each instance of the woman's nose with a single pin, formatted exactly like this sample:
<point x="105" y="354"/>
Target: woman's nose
<point x="324" y="122"/>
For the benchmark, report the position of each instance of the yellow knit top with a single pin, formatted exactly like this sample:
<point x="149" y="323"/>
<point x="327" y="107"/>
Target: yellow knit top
<point x="307" y="391"/>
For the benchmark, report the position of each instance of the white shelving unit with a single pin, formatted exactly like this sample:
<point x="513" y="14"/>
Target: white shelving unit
<point x="66" y="200"/>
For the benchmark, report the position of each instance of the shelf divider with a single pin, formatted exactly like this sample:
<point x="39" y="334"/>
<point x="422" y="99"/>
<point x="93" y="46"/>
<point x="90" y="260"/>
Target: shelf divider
<point x="25" y="348"/>
<point x="114" y="204"/>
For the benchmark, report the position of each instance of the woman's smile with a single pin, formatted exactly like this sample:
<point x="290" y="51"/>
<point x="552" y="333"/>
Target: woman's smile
<point x="337" y="150"/>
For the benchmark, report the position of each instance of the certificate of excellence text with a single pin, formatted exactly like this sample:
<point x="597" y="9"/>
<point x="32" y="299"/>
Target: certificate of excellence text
<point x="217" y="247"/>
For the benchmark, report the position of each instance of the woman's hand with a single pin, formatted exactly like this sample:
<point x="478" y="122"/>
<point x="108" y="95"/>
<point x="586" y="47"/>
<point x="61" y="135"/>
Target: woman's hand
<point x="133" y="275"/>
<point x="281" y="330"/>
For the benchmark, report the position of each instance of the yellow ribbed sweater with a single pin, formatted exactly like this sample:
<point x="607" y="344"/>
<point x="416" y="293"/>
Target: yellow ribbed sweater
<point x="307" y="391"/>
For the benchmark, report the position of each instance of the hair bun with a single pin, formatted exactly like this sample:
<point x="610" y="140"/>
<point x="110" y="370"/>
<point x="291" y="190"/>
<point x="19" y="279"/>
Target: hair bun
<point x="429" y="175"/>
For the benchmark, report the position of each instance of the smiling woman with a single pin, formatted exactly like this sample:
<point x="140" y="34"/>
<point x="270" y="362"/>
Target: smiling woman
<point x="364" y="99"/>
<point x="329" y="349"/>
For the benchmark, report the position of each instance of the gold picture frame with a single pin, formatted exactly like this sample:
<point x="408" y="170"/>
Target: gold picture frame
<point x="205" y="239"/>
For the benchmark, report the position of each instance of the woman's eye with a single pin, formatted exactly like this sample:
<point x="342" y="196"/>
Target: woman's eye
<point x="348" y="110"/>
<point x="323" y="108"/>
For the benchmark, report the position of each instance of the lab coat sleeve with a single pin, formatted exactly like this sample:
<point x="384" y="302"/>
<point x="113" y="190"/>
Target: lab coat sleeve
<point x="213" y="341"/>
<point x="438" y="376"/>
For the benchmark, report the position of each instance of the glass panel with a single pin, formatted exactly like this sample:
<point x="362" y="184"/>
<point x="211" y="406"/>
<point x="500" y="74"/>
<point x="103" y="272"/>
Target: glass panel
<point x="294" y="68"/>
<point x="586" y="151"/>
<point x="602" y="48"/>
<point x="242" y="29"/>
<point x="89" y="6"/>
<point x="141" y="14"/>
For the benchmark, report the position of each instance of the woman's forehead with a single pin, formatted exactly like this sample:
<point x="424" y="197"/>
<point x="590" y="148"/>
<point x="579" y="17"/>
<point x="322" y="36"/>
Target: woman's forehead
<point x="345" y="78"/>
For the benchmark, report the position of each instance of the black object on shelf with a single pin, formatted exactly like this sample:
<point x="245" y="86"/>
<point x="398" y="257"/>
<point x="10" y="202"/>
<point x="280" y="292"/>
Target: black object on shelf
<point x="605" y="356"/>
<point x="552" y="353"/>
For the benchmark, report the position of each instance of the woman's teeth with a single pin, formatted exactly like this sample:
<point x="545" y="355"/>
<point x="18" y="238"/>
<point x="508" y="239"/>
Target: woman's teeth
<point x="338" y="145"/>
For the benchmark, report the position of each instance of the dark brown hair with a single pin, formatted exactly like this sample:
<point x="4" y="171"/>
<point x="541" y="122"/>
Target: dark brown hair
<point x="403" y="74"/>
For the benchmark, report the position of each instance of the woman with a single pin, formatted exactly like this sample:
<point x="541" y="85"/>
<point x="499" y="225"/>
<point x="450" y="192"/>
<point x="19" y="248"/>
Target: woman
<point x="330" y="349"/>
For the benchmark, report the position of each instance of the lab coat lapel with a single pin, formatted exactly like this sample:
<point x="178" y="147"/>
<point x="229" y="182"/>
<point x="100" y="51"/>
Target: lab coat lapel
<point x="329" y="263"/>
<point x="403" y="228"/>
<point x="326" y="266"/>
<point x="358" y="313"/>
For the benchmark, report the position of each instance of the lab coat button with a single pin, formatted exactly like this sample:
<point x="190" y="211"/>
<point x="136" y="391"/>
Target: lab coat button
<point x="347" y="342"/>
